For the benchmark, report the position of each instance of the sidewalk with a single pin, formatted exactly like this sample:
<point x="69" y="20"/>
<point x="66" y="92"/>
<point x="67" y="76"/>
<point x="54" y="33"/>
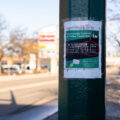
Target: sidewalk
<point x="52" y="117"/>
<point x="36" y="113"/>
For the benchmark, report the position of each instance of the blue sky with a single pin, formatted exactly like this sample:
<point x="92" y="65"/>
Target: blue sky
<point x="32" y="14"/>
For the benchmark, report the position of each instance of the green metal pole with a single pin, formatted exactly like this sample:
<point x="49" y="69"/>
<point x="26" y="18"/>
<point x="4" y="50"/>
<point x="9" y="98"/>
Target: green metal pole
<point x="82" y="98"/>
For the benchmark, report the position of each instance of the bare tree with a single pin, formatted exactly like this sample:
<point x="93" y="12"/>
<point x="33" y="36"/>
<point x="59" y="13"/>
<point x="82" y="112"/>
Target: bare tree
<point x="114" y="41"/>
<point x="19" y="44"/>
<point x="113" y="36"/>
<point x="113" y="26"/>
<point x="16" y="42"/>
<point x="2" y="45"/>
<point x="22" y="46"/>
<point x="2" y="24"/>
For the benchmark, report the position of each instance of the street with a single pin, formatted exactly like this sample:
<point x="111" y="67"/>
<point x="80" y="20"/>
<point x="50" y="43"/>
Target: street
<point x="22" y="93"/>
<point x="33" y="97"/>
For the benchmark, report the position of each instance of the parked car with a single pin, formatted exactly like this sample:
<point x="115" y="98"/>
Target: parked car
<point x="12" y="70"/>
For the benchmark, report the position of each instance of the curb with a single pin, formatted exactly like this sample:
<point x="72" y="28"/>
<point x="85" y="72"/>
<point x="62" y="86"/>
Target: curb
<point x="53" y="116"/>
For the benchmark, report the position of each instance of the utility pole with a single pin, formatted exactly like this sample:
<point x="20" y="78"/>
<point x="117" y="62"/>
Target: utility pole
<point x="82" y="60"/>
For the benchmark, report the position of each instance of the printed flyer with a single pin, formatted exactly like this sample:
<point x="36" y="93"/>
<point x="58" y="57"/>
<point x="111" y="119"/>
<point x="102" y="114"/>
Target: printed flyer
<point x="82" y="49"/>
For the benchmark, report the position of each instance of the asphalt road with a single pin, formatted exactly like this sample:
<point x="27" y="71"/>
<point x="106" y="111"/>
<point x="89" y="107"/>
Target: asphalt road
<point x="29" y="95"/>
<point x="21" y="93"/>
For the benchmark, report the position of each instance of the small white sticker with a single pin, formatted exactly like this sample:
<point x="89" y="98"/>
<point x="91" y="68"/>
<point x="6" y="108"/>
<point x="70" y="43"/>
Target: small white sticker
<point x="76" y="61"/>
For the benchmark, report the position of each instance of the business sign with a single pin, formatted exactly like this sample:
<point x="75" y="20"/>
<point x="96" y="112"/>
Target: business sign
<point x="47" y="38"/>
<point x="82" y="49"/>
<point x="47" y="42"/>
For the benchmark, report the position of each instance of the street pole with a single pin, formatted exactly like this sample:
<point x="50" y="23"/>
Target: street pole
<point x="82" y="60"/>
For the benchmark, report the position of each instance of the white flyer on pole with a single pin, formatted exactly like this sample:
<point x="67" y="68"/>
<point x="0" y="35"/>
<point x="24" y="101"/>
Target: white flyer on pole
<point x="82" y="49"/>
